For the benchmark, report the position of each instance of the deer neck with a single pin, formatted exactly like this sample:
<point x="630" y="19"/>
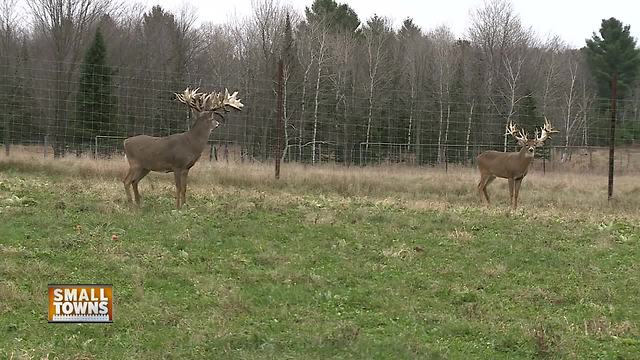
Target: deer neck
<point x="525" y="156"/>
<point x="200" y="132"/>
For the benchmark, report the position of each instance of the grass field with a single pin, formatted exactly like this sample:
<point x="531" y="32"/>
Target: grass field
<point x="325" y="263"/>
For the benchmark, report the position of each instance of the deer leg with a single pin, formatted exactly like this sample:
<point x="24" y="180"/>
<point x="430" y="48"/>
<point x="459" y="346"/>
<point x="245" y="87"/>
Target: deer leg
<point x="489" y="181"/>
<point x="511" y="181"/>
<point x="138" y="176"/>
<point x="177" y="174"/>
<point x="183" y="184"/>
<point x="482" y="186"/>
<point x="127" y="184"/>
<point x="515" y="193"/>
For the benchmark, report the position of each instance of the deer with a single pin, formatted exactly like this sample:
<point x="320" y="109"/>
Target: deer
<point x="177" y="153"/>
<point x="512" y="166"/>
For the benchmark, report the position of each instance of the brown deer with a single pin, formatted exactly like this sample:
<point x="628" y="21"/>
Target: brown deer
<point x="511" y="165"/>
<point x="177" y="153"/>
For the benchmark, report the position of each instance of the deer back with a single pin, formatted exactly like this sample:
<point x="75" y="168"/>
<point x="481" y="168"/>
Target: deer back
<point x="163" y="154"/>
<point x="505" y="164"/>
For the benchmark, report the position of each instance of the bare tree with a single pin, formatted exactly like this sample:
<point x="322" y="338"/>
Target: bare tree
<point x="571" y="120"/>
<point x="9" y="30"/>
<point x="65" y="23"/>
<point x="443" y="43"/>
<point x="321" y="58"/>
<point x="550" y="57"/>
<point x="412" y="60"/>
<point x="504" y="43"/>
<point x="376" y="36"/>
<point x="342" y="49"/>
<point x="513" y="78"/>
<point x="306" y="58"/>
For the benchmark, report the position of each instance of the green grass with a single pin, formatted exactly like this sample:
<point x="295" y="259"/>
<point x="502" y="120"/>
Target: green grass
<point x="279" y="273"/>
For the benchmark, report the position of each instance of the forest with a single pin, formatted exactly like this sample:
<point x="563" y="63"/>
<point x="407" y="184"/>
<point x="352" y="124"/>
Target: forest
<point x="73" y="72"/>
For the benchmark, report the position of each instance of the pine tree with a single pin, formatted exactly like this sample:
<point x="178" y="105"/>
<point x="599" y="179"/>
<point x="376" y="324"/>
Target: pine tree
<point x="615" y="64"/>
<point x="95" y="103"/>
<point x="529" y="118"/>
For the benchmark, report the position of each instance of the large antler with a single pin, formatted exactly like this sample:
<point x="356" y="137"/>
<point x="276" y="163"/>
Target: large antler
<point x="213" y="101"/>
<point x="545" y="132"/>
<point x="519" y="135"/>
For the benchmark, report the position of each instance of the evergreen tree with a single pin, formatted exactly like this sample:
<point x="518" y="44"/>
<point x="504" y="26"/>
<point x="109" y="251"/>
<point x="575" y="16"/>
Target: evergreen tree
<point x="529" y="118"/>
<point x="611" y="55"/>
<point x="338" y="17"/>
<point x="96" y="102"/>
<point x="614" y="62"/>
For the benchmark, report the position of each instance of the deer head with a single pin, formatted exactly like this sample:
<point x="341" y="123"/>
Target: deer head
<point x="210" y="103"/>
<point x="523" y="138"/>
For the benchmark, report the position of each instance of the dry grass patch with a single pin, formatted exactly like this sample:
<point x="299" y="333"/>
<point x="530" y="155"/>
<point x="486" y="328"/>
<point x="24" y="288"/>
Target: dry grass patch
<point x="570" y="195"/>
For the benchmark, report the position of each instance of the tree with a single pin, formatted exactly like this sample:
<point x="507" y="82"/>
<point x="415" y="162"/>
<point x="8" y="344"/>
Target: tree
<point x="96" y="102"/>
<point x="9" y="67"/>
<point x="63" y="24"/>
<point x="377" y="36"/>
<point x="504" y="44"/>
<point x="330" y="29"/>
<point x="412" y="59"/>
<point x="337" y="17"/>
<point x="443" y="44"/>
<point x="614" y="61"/>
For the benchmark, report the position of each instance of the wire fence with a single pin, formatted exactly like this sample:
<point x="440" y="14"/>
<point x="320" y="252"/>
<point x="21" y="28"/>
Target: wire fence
<point x="42" y="114"/>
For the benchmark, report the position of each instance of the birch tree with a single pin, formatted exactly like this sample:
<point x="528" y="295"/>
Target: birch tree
<point x="412" y="59"/>
<point x="443" y="43"/>
<point x="376" y="36"/>
<point x="504" y="43"/>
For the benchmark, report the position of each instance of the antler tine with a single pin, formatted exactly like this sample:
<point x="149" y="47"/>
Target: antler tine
<point x="522" y="136"/>
<point x="217" y="100"/>
<point x="191" y="98"/>
<point x="545" y="132"/>
<point x="548" y="127"/>
<point x="518" y="134"/>
<point x="213" y="101"/>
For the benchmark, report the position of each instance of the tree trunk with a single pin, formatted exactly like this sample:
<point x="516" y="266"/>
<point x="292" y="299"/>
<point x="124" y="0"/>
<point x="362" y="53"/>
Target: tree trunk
<point x="466" y="147"/>
<point x="612" y="147"/>
<point x="585" y="139"/>
<point x="302" y="110"/>
<point x="279" y="120"/>
<point x="441" y="122"/>
<point x="285" y="118"/>
<point x="369" y="118"/>
<point x="446" y="133"/>
<point x="418" y="141"/>
<point x="317" y="101"/>
<point x="315" y="117"/>
<point x="411" y="105"/>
